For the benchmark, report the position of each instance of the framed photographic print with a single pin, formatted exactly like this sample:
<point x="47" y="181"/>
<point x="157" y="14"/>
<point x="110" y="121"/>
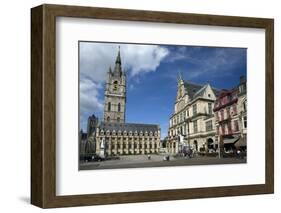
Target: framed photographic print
<point x="137" y="106"/>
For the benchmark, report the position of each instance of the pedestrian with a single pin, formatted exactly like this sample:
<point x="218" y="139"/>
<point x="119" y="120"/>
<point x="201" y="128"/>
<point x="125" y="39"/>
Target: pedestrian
<point x="148" y="157"/>
<point x="168" y="157"/>
<point x="189" y="152"/>
<point x="238" y="153"/>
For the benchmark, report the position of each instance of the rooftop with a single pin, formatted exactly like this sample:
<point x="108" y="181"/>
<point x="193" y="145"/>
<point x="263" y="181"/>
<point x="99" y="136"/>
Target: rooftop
<point x="194" y="90"/>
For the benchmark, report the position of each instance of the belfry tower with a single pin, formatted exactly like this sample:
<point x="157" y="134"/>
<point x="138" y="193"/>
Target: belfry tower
<point x="115" y="94"/>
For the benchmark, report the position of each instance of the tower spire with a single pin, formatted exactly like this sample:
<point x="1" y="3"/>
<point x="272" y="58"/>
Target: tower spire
<point x="118" y="59"/>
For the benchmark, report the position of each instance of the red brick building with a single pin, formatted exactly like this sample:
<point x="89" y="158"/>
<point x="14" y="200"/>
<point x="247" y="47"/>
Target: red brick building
<point x="227" y="119"/>
<point x="230" y="109"/>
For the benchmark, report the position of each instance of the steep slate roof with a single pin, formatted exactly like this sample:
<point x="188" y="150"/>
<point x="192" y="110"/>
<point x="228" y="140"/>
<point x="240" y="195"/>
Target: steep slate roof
<point x="195" y="90"/>
<point x="128" y="127"/>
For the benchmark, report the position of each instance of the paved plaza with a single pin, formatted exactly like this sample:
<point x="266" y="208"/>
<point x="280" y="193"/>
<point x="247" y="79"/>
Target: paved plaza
<point x="140" y="161"/>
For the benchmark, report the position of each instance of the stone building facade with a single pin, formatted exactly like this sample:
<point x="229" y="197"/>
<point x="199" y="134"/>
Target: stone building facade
<point x="192" y="123"/>
<point x="128" y="138"/>
<point x="113" y="136"/>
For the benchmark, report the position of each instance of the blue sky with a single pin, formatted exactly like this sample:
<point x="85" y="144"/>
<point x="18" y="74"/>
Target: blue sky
<point x="152" y="72"/>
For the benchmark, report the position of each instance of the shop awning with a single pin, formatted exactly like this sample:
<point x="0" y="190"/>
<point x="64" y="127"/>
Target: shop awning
<point x="241" y="143"/>
<point x="232" y="140"/>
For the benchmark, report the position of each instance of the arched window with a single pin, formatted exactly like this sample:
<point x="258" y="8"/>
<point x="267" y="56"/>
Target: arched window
<point x="109" y="106"/>
<point x="115" y="85"/>
<point x="119" y="107"/>
<point x="108" y="119"/>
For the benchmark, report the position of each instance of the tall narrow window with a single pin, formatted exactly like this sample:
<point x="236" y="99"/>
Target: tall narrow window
<point x="236" y="126"/>
<point x="195" y="129"/>
<point x="210" y="108"/>
<point x="194" y="109"/>
<point x="222" y="115"/>
<point x="109" y="106"/>
<point x="209" y="125"/>
<point x="108" y="119"/>
<point x="118" y="119"/>
<point x="245" y="121"/>
<point x="234" y="108"/>
<point x="245" y="106"/>
<point x="119" y="107"/>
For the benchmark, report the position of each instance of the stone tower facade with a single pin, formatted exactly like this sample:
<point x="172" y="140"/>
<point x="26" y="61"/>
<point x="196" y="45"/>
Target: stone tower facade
<point x="115" y="94"/>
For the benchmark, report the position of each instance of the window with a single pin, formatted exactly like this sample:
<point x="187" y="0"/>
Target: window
<point x="118" y="119"/>
<point x="234" y="108"/>
<point x="236" y="126"/>
<point x="194" y="109"/>
<point x="245" y="106"/>
<point x="119" y="107"/>
<point x="115" y="86"/>
<point x="210" y="108"/>
<point x="227" y="112"/>
<point x="229" y="130"/>
<point x="222" y="130"/>
<point x="222" y="115"/>
<point x="108" y="119"/>
<point x="195" y="129"/>
<point x="245" y="121"/>
<point x="109" y="106"/>
<point x="209" y="126"/>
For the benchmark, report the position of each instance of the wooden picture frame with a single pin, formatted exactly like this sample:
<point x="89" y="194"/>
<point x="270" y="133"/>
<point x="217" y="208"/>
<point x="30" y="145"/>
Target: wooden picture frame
<point x="43" y="105"/>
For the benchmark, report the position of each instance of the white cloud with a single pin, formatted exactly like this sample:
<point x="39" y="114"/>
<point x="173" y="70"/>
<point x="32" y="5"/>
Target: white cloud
<point x="143" y="58"/>
<point x="95" y="58"/>
<point x="89" y="101"/>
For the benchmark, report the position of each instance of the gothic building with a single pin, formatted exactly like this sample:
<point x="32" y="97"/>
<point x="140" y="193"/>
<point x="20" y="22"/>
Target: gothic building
<point x="192" y="123"/>
<point x="113" y="136"/>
